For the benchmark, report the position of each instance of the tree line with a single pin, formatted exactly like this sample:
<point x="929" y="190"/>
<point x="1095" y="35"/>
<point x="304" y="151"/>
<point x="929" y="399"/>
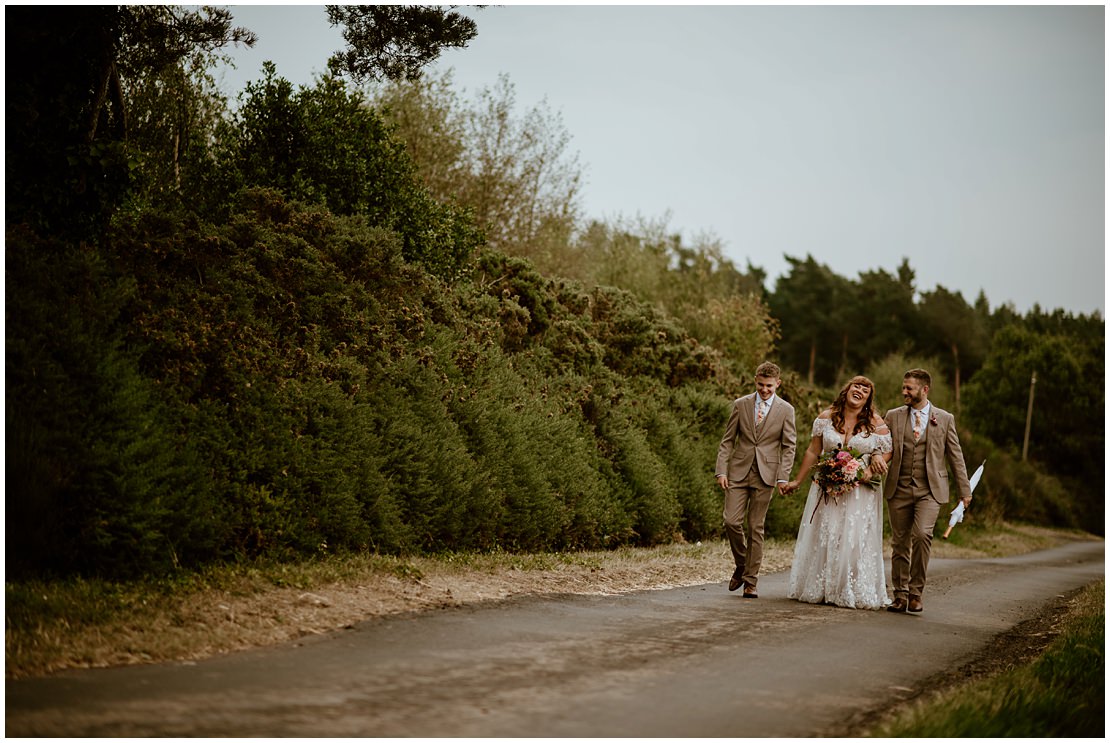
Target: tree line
<point x="821" y="326"/>
<point x="370" y="315"/>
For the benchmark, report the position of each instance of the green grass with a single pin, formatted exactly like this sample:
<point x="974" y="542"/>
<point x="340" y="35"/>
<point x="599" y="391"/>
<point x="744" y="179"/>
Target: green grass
<point x="1061" y="694"/>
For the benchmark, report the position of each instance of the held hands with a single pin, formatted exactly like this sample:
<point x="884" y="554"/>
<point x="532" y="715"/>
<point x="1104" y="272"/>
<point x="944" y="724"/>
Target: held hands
<point x="876" y="467"/>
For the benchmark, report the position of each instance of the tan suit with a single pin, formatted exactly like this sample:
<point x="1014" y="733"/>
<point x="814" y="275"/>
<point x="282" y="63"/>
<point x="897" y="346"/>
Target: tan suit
<point x="753" y="458"/>
<point x="915" y="487"/>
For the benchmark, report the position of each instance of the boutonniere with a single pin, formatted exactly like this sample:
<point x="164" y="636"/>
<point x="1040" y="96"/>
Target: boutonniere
<point x="932" y="418"/>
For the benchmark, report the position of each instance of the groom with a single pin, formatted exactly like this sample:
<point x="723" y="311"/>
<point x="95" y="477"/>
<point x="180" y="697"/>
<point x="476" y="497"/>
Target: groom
<point x="755" y="455"/>
<point x="924" y="438"/>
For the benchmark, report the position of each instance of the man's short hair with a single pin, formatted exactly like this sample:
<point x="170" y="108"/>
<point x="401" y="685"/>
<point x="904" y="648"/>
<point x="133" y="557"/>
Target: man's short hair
<point x="767" y="369"/>
<point x="920" y="375"/>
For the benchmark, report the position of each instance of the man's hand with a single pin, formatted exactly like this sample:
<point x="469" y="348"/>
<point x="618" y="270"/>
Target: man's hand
<point x="722" y="481"/>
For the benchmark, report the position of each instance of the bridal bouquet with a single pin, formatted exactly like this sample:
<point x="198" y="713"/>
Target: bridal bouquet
<point x="839" y="471"/>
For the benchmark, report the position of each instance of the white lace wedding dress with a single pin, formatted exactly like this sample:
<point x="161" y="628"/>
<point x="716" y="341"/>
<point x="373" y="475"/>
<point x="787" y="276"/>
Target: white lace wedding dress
<point x="838" y="558"/>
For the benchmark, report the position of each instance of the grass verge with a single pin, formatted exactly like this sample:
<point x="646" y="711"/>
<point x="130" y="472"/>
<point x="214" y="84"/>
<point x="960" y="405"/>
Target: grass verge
<point x="50" y="626"/>
<point x="1061" y="693"/>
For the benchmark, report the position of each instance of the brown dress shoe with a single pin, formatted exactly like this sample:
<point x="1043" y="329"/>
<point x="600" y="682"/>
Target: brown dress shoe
<point x="737" y="580"/>
<point x="749" y="592"/>
<point x="898" y="605"/>
<point x="915" y="603"/>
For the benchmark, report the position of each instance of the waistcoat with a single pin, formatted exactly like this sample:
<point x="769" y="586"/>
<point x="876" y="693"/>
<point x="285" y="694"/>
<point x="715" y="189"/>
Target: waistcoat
<point x="912" y="475"/>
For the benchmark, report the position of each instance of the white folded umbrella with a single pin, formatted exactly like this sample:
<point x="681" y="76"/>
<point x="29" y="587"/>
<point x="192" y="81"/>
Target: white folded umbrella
<point x="958" y="512"/>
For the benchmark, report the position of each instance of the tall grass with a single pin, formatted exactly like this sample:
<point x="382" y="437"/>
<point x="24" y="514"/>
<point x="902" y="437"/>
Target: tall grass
<point x="1061" y="694"/>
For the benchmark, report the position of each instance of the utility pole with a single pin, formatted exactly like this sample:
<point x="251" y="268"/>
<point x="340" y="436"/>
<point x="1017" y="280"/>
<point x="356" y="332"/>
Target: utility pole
<point x="1029" y="417"/>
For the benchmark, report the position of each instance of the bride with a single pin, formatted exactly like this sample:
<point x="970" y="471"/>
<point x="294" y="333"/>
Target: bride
<point x="838" y="558"/>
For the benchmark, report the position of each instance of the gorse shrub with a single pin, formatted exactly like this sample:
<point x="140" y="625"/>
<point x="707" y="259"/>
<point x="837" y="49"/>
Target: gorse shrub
<point x="97" y="469"/>
<point x="288" y="384"/>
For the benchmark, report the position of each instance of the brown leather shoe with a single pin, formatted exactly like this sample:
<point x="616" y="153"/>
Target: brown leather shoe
<point x="737" y="580"/>
<point x="915" y="603"/>
<point x="749" y="592"/>
<point x="898" y="605"/>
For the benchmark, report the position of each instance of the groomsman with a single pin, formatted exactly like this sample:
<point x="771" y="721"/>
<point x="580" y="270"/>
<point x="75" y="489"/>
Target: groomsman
<point x="755" y="455"/>
<point x="924" y="438"/>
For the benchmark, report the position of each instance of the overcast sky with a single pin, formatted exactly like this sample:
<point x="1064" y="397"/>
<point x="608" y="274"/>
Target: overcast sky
<point x="968" y="139"/>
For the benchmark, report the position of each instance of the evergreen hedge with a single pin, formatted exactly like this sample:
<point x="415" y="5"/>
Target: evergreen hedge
<point x="287" y="384"/>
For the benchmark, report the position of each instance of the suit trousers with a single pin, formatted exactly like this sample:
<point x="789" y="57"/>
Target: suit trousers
<point x="746" y="504"/>
<point x="912" y="518"/>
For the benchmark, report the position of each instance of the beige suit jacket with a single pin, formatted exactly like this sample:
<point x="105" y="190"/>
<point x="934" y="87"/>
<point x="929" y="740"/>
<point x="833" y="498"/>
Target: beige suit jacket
<point x="771" y="446"/>
<point x="941" y="445"/>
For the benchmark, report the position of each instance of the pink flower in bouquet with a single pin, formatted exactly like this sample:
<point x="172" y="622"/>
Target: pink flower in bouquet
<point x="838" y="472"/>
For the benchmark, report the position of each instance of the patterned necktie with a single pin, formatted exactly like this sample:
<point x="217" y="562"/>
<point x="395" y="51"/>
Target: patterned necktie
<point x="759" y="412"/>
<point x="916" y="425"/>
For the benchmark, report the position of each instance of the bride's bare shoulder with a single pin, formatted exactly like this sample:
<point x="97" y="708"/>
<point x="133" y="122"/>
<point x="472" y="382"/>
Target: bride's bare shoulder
<point x="879" y="424"/>
<point x="825" y="415"/>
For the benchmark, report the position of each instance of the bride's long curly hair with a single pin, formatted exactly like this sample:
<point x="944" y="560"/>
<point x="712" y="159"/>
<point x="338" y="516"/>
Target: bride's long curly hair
<point x="863" y="423"/>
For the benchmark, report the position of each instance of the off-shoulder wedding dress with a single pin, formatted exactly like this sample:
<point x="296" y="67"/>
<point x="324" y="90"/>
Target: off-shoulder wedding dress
<point x="838" y="558"/>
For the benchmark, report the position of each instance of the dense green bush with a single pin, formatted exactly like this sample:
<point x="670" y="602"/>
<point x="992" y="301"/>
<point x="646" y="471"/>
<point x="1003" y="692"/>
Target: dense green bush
<point x="288" y="384"/>
<point x="1013" y="490"/>
<point x="324" y="145"/>
<point x="1067" y="422"/>
<point x="97" y="471"/>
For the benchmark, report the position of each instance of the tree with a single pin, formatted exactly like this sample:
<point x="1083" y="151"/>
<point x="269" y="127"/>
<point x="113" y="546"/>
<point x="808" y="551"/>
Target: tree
<point x="69" y="162"/>
<point x="429" y="116"/>
<point x="813" y="306"/>
<point x="325" y="145"/>
<point x="524" y="181"/>
<point x="886" y="300"/>
<point x="395" y="41"/>
<point x="513" y="171"/>
<point x="955" y="331"/>
<point x="1067" y="423"/>
<point x="635" y="256"/>
<point x="738" y="326"/>
<point x="318" y="144"/>
<point x="700" y="272"/>
<point x="174" y="114"/>
<point x="696" y="284"/>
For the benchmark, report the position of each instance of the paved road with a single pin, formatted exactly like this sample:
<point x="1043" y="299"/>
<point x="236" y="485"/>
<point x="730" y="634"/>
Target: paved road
<point x="694" y="661"/>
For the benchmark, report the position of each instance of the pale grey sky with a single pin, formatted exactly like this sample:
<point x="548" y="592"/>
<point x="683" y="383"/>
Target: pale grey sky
<point x="969" y="139"/>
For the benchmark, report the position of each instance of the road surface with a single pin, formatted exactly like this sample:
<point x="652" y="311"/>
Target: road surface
<point x="691" y="662"/>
